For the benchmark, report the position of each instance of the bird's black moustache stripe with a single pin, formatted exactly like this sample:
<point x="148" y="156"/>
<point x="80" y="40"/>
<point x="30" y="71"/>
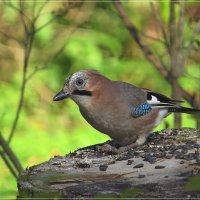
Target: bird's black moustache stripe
<point x="82" y="93"/>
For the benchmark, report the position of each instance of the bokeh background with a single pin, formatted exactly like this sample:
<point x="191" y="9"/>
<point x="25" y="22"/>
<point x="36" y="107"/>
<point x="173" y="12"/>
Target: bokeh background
<point x="46" y="41"/>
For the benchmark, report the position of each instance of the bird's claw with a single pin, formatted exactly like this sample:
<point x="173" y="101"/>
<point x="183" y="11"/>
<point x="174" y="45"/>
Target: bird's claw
<point x="107" y="149"/>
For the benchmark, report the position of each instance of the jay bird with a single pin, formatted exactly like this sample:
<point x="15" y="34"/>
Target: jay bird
<point x="123" y="111"/>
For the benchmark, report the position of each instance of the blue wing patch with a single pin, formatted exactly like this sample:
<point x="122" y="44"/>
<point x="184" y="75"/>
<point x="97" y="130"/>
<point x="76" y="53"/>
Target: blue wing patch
<point x="141" y="110"/>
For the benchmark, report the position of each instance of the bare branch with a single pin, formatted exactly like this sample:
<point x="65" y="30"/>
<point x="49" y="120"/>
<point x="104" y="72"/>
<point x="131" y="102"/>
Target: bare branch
<point x="14" y="125"/>
<point x="21" y="12"/>
<point x="40" y="10"/>
<point x="9" y="36"/>
<point x="147" y="52"/>
<point x="27" y="51"/>
<point x="160" y="25"/>
<point x="29" y="32"/>
<point x="193" y="39"/>
<point x="8" y="164"/>
<point x="10" y="154"/>
<point x="152" y="38"/>
<point x="176" y="40"/>
<point x="180" y="37"/>
<point x="197" y="78"/>
<point x="176" y="52"/>
<point x="29" y="37"/>
<point x="135" y="34"/>
<point x="60" y="50"/>
<point x="172" y="27"/>
<point x="35" y="70"/>
<point x="8" y="3"/>
<point x="44" y="25"/>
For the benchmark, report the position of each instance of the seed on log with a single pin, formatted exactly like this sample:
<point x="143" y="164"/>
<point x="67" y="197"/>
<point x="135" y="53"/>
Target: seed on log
<point x="103" y="167"/>
<point x="159" y="167"/>
<point x="139" y="165"/>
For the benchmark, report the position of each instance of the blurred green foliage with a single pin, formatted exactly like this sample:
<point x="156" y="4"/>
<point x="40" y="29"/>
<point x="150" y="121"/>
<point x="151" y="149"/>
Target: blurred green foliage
<point x="69" y="38"/>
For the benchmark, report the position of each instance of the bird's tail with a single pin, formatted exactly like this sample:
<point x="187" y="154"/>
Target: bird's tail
<point x="180" y="109"/>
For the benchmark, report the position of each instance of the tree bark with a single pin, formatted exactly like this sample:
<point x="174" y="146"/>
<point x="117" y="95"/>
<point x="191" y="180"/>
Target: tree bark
<point x="160" y="168"/>
<point x="176" y="52"/>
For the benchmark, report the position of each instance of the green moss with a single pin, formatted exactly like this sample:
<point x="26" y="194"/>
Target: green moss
<point x="193" y="184"/>
<point x="106" y="196"/>
<point x="130" y="193"/>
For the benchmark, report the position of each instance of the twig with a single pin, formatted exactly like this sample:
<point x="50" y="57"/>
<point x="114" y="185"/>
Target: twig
<point x="134" y="32"/>
<point x="186" y="74"/>
<point x="8" y="3"/>
<point x="21" y="12"/>
<point x="29" y="32"/>
<point x="36" y="69"/>
<point x="180" y="37"/>
<point x="152" y="38"/>
<point x="148" y="53"/>
<point x="29" y="37"/>
<point x="23" y="85"/>
<point x="10" y="154"/>
<point x="39" y="11"/>
<point x="172" y="28"/>
<point x="193" y="39"/>
<point x="9" y="36"/>
<point x="160" y="25"/>
<point x="176" y="52"/>
<point x="45" y="24"/>
<point x="8" y="164"/>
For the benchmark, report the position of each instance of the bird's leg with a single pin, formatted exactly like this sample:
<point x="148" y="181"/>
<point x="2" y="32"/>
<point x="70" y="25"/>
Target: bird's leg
<point x="109" y="147"/>
<point x="114" y="148"/>
<point x="140" y="141"/>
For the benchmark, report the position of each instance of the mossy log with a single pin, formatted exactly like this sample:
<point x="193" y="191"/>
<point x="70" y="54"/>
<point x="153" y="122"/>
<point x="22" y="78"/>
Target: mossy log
<point x="164" y="167"/>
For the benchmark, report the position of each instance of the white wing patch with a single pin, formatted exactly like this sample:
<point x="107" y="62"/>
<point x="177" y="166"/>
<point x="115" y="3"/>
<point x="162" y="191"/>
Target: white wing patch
<point x="156" y="103"/>
<point x="153" y="100"/>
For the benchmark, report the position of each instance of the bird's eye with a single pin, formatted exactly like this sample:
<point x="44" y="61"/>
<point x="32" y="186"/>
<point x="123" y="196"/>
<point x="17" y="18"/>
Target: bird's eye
<point x="79" y="81"/>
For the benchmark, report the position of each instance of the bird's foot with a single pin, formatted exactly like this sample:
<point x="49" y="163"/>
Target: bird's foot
<point x="112" y="147"/>
<point x="109" y="148"/>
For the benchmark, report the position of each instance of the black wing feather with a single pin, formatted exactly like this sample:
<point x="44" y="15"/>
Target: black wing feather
<point x="162" y="98"/>
<point x="181" y="109"/>
<point x="165" y="102"/>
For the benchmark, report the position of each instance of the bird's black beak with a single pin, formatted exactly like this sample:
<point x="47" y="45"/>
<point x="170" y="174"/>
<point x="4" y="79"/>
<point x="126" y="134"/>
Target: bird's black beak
<point x="61" y="95"/>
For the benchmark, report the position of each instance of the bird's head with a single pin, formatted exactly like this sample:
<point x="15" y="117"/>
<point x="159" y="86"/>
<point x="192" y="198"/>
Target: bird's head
<point x="79" y="86"/>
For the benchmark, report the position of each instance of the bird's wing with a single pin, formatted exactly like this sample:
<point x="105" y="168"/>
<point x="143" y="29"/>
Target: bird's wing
<point x="160" y="101"/>
<point x="141" y="109"/>
<point x="142" y="101"/>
